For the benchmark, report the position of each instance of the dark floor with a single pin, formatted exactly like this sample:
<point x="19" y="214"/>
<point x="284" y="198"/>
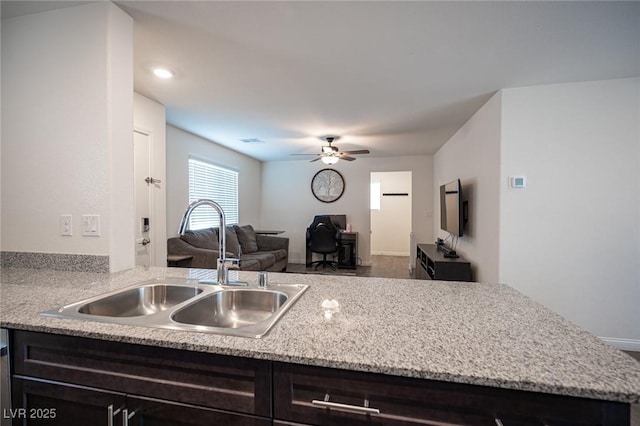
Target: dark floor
<point x="635" y="355"/>
<point x="381" y="266"/>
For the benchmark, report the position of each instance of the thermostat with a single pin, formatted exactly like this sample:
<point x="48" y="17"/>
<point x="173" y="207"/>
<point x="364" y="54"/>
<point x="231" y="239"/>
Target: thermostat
<point x="518" y="181"/>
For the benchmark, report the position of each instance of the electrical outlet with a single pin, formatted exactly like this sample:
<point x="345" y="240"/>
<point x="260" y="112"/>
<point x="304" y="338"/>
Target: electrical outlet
<point x="91" y="225"/>
<point x="66" y="225"/>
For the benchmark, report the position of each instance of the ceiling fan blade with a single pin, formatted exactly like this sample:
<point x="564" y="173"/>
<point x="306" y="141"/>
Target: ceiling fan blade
<point x="359" y="151"/>
<point x="345" y="157"/>
<point x="315" y="159"/>
<point x="304" y="154"/>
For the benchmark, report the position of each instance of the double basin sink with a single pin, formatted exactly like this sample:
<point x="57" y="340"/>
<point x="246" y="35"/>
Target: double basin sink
<point x="184" y="304"/>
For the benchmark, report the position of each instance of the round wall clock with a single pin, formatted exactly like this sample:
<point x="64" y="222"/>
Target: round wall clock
<point x="327" y="185"/>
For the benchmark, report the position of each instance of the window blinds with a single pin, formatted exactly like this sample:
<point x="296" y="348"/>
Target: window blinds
<point x="217" y="184"/>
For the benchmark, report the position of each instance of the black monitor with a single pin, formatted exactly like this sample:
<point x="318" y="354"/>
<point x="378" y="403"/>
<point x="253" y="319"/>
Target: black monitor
<point x="339" y="220"/>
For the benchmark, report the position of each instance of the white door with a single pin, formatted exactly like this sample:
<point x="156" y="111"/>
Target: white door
<point x="391" y="217"/>
<point x="143" y="220"/>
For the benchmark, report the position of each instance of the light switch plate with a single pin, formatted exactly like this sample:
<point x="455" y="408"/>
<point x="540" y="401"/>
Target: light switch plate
<point x="91" y="225"/>
<point x="66" y="225"/>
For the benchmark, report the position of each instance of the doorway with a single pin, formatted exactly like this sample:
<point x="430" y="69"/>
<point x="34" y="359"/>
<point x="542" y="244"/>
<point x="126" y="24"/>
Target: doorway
<point x="390" y="213"/>
<point x="142" y="171"/>
<point x="149" y="172"/>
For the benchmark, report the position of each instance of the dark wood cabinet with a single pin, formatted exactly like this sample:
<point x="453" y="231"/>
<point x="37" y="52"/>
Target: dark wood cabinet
<point x="325" y="396"/>
<point x="151" y="412"/>
<point x="52" y="403"/>
<point x="432" y="264"/>
<point x="42" y="402"/>
<point x="63" y="380"/>
<point x="78" y="377"/>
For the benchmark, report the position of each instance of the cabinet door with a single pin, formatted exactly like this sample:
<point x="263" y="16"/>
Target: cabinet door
<point x="325" y="396"/>
<point x="201" y="379"/>
<point x="48" y="403"/>
<point x="321" y="396"/>
<point x="152" y="412"/>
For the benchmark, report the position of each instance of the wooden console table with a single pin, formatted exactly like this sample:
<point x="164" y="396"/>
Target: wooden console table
<point x="268" y="232"/>
<point x="431" y="264"/>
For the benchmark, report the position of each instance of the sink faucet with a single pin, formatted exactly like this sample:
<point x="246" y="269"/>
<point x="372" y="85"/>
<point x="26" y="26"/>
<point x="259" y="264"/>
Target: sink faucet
<point x="223" y="263"/>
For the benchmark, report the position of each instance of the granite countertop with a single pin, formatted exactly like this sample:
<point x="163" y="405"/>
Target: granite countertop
<point x="482" y="334"/>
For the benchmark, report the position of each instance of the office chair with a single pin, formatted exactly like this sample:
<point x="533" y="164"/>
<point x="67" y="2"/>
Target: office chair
<point x="322" y="238"/>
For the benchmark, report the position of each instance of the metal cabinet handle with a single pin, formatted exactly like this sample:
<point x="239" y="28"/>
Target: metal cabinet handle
<point x="126" y="416"/>
<point x="111" y="414"/>
<point x="365" y="409"/>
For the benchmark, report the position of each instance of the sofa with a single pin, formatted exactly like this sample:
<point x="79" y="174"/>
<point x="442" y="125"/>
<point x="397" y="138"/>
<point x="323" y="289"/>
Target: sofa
<point x="199" y="249"/>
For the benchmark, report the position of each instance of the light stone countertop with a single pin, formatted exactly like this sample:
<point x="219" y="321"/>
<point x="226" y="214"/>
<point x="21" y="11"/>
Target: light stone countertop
<point x="482" y="334"/>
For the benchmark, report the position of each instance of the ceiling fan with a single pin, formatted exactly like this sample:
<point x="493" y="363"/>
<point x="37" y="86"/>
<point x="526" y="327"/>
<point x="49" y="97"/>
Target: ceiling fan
<point x="331" y="154"/>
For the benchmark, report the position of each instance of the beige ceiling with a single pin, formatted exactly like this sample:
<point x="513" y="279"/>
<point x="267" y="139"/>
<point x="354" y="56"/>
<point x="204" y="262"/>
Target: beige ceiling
<point x="397" y="78"/>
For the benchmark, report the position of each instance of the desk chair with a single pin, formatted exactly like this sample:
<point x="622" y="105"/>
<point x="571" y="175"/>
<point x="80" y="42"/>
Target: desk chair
<point x="322" y="237"/>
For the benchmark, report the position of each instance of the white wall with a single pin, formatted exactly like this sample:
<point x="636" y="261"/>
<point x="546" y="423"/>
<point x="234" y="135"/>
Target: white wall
<point x="288" y="203"/>
<point x="571" y="240"/>
<point x="389" y="235"/>
<point x="473" y="156"/>
<point x="181" y="145"/>
<point x="67" y="130"/>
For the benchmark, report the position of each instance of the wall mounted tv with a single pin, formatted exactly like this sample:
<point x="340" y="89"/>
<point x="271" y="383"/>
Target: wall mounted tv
<point x="452" y="208"/>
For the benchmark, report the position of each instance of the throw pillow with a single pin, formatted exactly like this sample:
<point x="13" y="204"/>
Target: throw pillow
<point x="247" y="238"/>
<point x="202" y="238"/>
<point x="232" y="244"/>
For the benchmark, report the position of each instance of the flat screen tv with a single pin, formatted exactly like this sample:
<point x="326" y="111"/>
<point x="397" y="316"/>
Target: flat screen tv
<point x="451" y="208"/>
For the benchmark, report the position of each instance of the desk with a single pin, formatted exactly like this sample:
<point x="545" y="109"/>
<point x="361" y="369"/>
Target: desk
<point x="268" y="232"/>
<point x="347" y="251"/>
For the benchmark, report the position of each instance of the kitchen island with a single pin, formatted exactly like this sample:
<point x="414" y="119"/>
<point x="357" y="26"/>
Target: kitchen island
<point x="478" y="336"/>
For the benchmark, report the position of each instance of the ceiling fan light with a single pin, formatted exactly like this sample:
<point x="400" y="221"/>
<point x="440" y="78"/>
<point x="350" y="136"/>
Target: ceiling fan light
<point x="329" y="160"/>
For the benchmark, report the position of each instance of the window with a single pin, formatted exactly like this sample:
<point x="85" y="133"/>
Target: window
<point x="215" y="183"/>
<point x="375" y="196"/>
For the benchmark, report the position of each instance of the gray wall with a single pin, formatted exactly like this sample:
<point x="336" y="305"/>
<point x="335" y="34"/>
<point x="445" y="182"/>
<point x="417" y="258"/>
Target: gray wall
<point x="181" y="145"/>
<point x="289" y="204"/>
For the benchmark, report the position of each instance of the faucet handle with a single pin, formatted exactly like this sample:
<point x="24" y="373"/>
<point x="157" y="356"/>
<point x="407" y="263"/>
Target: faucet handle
<point x="263" y="279"/>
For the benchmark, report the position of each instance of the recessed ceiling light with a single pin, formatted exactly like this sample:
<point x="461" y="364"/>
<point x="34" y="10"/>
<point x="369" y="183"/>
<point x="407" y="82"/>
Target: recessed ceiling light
<point x="163" y="73"/>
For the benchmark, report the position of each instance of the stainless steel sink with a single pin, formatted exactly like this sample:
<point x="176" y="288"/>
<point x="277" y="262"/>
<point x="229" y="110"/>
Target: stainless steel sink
<point x="232" y="308"/>
<point x="189" y="305"/>
<point x="143" y="300"/>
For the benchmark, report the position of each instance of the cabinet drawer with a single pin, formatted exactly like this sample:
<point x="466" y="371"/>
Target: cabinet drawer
<point x="60" y="404"/>
<point x="216" y="381"/>
<point x="301" y="394"/>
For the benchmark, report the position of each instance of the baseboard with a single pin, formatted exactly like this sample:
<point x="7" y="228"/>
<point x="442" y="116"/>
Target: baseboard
<point x="622" y="344"/>
<point x="302" y="262"/>
<point x="390" y="253"/>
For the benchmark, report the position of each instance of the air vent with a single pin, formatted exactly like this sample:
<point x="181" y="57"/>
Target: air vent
<point x="252" y="140"/>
